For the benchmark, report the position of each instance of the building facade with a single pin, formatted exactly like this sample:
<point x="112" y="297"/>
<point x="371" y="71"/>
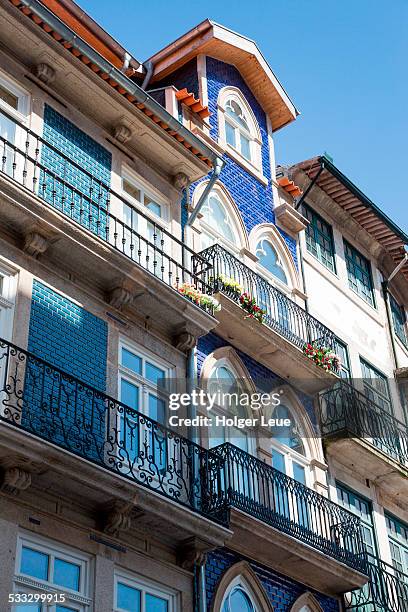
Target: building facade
<point x="149" y="243"/>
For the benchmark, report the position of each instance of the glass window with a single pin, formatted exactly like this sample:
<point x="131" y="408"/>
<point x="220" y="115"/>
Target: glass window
<point x="137" y="192"/>
<point x="237" y="129"/>
<point x="216" y="216"/>
<point x="238" y="601"/>
<point x="361" y="507"/>
<point x="398" y="538"/>
<point x="342" y="351"/>
<point x="376" y="386"/>
<point x="63" y="569"/>
<point x="288" y="436"/>
<point x="133" y="595"/>
<point x="359" y="274"/>
<point x="319" y="239"/>
<point x="142" y="383"/>
<point x="269" y="259"/>
<point x="66" y="574"/>
<point x="9" y="98"/>
<point x="399" y="320"/>
<point x="34" y="563"/>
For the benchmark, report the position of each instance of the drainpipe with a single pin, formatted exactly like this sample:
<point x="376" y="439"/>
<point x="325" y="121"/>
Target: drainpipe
<point x="384" y="286"/>
<point x="202" y="590"/>
<point x="119" y="77"/>
<point x="219" y="164"/>
<point x="312" y="182"/>
<point x="149" y="71"/>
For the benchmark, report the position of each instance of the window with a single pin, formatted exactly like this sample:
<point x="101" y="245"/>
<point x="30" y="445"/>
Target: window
<point x="399" y="320"/>
<point x="361" y="507"/>
<point x="42" y="563"/>
<point x="7" y="297"/>
<point x="376" y="386"/>
<point x="224" y="379"/>
<point x="137" y="595"/>
<point x="319" y="239"/>
<point x="238" y="598"/>
<point x="147" y="225"/>
<point x="13" y="104"/>
<point x="341" y="350"/>
<point x="218" y="223"/>
<point x="239" y="129"/>
<point x="398" y="538"/>
<point x="142" y="381"/>
<point x="288" y="450"/>
<point x="359" y="274"/>
<point x="270" y="260"/>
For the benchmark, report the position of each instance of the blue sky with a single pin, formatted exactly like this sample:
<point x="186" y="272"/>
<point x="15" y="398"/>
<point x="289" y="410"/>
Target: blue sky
<point x="343" y="63"/>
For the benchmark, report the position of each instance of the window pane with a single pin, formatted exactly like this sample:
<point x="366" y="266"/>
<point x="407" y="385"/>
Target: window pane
<point x="132" y="190"/>
<point x="157" y="408"/>
<point x="268" y="258"/>
<point x="128" y="598"/>
<point x="129" y="394"/>
<point x="153" y="206"/>
<point x="239" y="602"/>
<point x="66" y="574"/>
<point x="65" y="609"/>
<point x="28" y="607"/>
<point x="131" y="361"/>
<point x="216" y="216"/>
<point x="155" y="604"/>
<point x="359" y="274"/>
<point x="34" y="563"/>
<point x="230" y="135"/>
<point x="319" y="238"/>
<point x="154" y="374"/>
<point x="278" y="461"/>
<point x="8" y="97"/>
<point x="299" y="473"/>
<point x="245" y="147"/>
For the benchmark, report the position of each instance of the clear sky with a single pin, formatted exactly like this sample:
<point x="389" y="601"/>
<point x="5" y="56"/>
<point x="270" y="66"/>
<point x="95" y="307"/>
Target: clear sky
<point x="344" y="63"/>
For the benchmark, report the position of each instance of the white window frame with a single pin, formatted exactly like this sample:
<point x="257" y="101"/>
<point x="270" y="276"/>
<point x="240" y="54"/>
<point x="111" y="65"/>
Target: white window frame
<point x="79" y="600"/>
<point x="221" y="411"/>
<point x="145" y="585"/>
<point x="8" y="275"/>
<point x="267" y="274"/>
<point x="22" y="95"/>
<point x="211" y="232"/>
<point x="144" y="385"/>
<point x="254" y="165"/>
<point x="290" y="457"/>
<point x="239" y="582"/>
<point x="145" y="190"/>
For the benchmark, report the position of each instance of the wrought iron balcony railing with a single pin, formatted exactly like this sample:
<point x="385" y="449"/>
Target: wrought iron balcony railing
<point x="45" y="401"/>
<point x="386" y="590"/>
<point x="282" y="314"/>
<point x="69" y="187"/>
<point x="269" y="495"/>
<point x="347" y="412"/>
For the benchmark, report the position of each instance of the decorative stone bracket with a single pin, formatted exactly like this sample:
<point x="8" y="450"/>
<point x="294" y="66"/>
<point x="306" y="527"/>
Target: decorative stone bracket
<point x="193" y="552"/>
<point x="117" y="517"/>
<point x="35" y="244"/>
<point x="15" y="479"/>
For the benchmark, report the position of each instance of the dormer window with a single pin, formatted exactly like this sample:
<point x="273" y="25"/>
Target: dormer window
<point x="239" y="129"/>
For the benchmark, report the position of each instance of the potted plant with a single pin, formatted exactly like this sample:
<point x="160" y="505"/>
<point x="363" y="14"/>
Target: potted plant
<point x="322" y="356"/>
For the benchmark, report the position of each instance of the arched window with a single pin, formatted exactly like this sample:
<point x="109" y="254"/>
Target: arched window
<point x="306" y="603"/>
<point x="270" y="260"/>
<point x="238" y="128"/>
<point x="220" y="221"/>
<point x="225" y="383"/>
<point x="240" y="590"/>
<point x="238" y="600"/>
<point x="288" y="444"/>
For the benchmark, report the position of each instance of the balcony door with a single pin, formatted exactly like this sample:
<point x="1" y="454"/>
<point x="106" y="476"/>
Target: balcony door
<point x="13" y="107"/>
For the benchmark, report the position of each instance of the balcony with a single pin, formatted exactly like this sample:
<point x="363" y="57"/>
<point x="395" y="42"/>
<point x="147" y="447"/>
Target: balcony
<point x="286" y="327"/>
<point x="386" y="591"/>
<point x="285" y="523"/>
<point x="82" y="444"/>
<point x="59" y="211"/>
<point x="365" y="437"/>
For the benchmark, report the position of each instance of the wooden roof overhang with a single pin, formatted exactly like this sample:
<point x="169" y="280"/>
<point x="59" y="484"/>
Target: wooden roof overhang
<point x="347" y="195"/>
